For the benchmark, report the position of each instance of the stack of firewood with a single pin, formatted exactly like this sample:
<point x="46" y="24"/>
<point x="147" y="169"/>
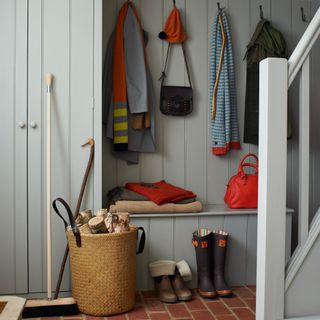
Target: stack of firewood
<point x="102" y="222"/>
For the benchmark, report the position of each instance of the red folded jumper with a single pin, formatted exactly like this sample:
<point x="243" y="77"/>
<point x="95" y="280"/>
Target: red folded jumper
<point x="161" y="192"/>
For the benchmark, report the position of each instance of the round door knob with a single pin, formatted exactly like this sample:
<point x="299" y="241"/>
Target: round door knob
<point x="33" y="124"/>
<point x="22" y="124"/>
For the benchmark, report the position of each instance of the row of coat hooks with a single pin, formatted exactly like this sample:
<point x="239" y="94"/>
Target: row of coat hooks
<point x="303" y="16"/>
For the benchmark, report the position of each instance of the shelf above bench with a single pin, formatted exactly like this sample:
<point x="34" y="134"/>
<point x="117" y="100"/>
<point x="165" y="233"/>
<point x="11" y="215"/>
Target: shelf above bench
<point x="208" y="210"/>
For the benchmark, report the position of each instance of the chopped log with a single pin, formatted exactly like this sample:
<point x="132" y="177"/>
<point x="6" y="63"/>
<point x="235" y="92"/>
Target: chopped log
<point x="120" y="222"/>
<point x="101" y="213"/>
<point x="97" y="225"/>
<point x="84" y="217"/>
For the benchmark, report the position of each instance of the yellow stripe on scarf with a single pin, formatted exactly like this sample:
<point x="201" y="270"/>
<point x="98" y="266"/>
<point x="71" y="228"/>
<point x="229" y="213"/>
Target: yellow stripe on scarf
<point x="123" y="139"/>
<point x="120" y="126"/>
<point x="121" y="112"/>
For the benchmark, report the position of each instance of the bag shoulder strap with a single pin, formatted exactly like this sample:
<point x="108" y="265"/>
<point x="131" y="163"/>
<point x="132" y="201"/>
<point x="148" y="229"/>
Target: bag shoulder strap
<point x="164" y="75"/>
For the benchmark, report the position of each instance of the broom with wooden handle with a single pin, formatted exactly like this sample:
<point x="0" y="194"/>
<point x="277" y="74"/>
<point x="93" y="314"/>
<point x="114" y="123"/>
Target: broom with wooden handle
<point x="48" y="307"/>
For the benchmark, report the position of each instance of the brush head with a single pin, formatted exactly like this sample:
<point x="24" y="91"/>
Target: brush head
<point x="53" y="308"/>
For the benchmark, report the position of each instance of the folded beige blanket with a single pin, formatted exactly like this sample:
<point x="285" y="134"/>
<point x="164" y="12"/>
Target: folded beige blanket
<point x="151" y="207"/>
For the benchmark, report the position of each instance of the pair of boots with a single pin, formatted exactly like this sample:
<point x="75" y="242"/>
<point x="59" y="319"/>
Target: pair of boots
<point x="211" y="248"/>
<point x="170" y="278"/>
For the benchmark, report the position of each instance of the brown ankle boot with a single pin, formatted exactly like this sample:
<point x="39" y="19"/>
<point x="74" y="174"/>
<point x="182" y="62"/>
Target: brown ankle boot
<point x="180" y="288"/>
<point x="164" y="289"/>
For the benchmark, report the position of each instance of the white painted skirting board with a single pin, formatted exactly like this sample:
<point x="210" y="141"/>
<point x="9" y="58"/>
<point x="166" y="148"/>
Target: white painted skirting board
<point x="168" y="236"/>
<point x="316" y="317"/>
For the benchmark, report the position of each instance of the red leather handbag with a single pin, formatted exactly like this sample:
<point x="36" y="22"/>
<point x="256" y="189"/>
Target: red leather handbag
<point x="242" y="189"/>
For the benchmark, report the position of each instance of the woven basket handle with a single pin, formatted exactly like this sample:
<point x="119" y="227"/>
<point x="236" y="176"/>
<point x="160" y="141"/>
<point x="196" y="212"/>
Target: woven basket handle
<point x="142" y="240"/>
<point x="73" y="224"/>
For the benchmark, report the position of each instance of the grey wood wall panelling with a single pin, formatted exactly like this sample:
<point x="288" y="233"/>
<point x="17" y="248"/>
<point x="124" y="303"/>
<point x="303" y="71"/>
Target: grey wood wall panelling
<point x="143" y="259"/>
<point x="97" y="20"/>
<point x="170" y="238"/>
<point x="239" y="14"/>
<point x="196" y="147"/>
<point x="251" y="250"/>
<point x="237" y="249"/>
<point x="109" y="163"/>
<point x="183" y="247"/>
<point x="13" y="172"/>
<point x="174" y="127"/>
<point x="35" y="168"/>
<point x="152" y="20"/>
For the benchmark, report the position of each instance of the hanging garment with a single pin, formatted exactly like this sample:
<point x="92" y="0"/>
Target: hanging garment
<point x="173" y="31"/>
<point x="223" y="101"/>
<point x="139" y="94"/>
<point x="265" y="42"/>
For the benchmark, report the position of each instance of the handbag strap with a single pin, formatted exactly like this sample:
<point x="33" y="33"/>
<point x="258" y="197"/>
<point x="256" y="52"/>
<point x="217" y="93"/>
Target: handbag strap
<point x="247" y="164"/>
<point x="164" y="75"/>
<point x="142" y="240"/>
<point x="73" y="224"/>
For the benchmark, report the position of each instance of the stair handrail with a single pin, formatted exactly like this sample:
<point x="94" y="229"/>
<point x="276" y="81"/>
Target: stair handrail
<point x="304" y="47"/>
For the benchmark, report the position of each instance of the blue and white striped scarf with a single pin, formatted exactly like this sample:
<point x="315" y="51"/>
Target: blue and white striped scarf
<point x="224" y="127"/>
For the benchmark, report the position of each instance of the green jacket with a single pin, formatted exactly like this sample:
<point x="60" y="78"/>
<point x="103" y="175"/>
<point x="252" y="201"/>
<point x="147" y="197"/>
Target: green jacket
<point x="265" y="42"/>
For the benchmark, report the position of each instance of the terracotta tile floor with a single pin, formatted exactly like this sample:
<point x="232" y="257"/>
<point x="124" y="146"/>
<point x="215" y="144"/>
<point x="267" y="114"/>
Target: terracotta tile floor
<point x="240" y="307"/>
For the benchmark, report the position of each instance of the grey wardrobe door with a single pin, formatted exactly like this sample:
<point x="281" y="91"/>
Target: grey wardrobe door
<point x="61" y="38"/>
<point x="13" y="146"/>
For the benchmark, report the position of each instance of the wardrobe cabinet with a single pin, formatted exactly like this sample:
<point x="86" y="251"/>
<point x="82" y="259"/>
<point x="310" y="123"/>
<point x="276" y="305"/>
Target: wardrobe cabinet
<point x="40" y="36"/>
<point x="14" y="135"/>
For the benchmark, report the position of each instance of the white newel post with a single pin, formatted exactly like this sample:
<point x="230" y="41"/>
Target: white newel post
<point x="272" y="189"/>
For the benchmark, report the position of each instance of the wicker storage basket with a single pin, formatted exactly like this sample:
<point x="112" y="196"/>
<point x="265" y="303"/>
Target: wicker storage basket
<point x="103" y="271"/>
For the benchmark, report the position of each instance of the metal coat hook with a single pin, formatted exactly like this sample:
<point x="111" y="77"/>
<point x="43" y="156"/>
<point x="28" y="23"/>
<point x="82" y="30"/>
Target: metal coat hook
<point x="174" y="2"/>
<point x="219" y="8"/>
<point x="303" y="16"/>
<point x="261" y="12"/>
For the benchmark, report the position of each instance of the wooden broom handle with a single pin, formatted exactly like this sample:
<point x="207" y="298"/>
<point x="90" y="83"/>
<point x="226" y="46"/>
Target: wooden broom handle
<point x="49" y="79"/>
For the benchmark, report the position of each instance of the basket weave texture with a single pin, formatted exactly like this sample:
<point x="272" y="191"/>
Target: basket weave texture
<point x="103" y="272"/>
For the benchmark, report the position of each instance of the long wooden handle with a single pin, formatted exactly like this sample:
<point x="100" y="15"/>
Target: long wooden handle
<point x="84" y="182"/>
<point x="49" y="78"/>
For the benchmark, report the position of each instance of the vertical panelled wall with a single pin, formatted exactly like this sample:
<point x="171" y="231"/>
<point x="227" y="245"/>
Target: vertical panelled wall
<point x="60" y="42"/>
<point x="183" y="144"/>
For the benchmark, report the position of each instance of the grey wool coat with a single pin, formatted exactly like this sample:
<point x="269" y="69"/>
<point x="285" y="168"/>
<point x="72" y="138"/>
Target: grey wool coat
<point x="140" y="91"/>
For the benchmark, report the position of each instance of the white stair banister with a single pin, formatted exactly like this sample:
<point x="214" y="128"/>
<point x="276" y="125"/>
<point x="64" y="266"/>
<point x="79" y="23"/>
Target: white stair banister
<point x="272" y="188"/>
<point x="303" y="48"/>
<point x="304" y="143"/>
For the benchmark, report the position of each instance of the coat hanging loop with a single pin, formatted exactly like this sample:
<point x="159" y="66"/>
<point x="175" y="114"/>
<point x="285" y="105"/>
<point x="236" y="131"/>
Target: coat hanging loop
<point x="303" y="16"/>
<point x="261" y="12"/>
<point x="174" y="2"/>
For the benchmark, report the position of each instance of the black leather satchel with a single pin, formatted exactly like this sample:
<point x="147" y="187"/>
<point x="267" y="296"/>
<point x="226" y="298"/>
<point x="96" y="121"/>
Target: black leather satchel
<point x="176" y="100"/>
